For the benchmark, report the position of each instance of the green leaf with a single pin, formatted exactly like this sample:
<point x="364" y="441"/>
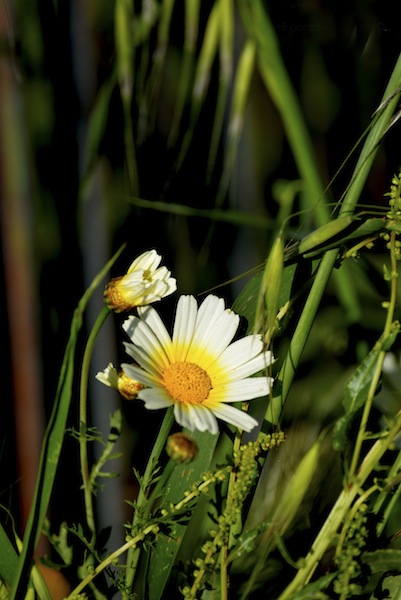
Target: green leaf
<point x="382" y="561"/>
<point x="164" y="553"/>
<point x="358" y="386"/>
<point x="8" y="557"/>
<point x="286" y="511"/>
<point x="313" y="591"/>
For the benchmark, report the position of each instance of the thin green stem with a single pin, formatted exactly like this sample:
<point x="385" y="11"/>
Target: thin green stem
<point x="394" y="497"/>
<point x="134" y="553"/>
<point x="349" y="203"/>
<point x="83" y="418"/>
<point x="379" y="366"/>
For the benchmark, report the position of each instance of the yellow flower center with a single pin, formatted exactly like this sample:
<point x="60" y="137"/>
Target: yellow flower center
<point x="187" y="382"/>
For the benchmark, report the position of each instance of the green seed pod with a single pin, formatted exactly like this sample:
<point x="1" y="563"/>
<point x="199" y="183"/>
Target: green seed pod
<point x="269" y="294"/>
<point x="324" y="234"/>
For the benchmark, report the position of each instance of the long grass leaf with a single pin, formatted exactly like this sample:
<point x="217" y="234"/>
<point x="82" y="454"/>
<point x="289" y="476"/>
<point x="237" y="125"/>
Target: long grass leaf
<point x="242" y="219"/>
<point x="154" y="80"/>
<point x="164" y="554"/>
<point x="226" y="50"/>
<point x="52" y="443"/>
<point x="191" y="31"/>
<point x="285" y="512"/>
<point x="203" y="72"/>
<point x="241" y="89"/>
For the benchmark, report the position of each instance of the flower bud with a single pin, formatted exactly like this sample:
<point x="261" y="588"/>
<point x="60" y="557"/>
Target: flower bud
<point x="145" y="282"/>
<point x="181" y="448"/>
<point x="127" y="387"/>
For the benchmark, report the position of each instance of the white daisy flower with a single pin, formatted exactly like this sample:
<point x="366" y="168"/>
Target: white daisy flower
<point x="145" y="282"/>
<point x="198" y="370"/>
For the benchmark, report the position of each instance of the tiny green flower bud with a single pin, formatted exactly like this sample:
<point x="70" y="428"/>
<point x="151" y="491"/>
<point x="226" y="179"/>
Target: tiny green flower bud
<point x="181" y="448"/>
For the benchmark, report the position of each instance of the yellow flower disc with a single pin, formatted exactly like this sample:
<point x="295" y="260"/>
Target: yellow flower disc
<point x="187" y="382"/>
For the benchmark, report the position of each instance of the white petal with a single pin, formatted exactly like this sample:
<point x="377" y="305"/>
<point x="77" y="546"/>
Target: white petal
<point x="109" y="376"/>
<point x="237" y="372"/>
<point x="146" y="350"/>
<point x="195" y="417"/>
<point x="153" y="320"/>
<point x="147" y="260"/>
<point x="155" y="398"/>
<point x="184" y="325"/>
<point x="236" y="417"/>
<point x="140" y="375"/>
<point x="240" y="391"/>
<point x="212" y="338"/>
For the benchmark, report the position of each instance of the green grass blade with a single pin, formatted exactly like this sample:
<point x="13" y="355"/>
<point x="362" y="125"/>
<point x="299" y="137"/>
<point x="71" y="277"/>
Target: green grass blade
<point x="52" y="444"/>
<point x="191" y="30"/>
<point x="226" y="50"/>
<point x="361" y="172"/>
<point x="154" y="80"/>
<point x="242" y="85"/>
<point x="207" y="56"/>
<point x="241" y="219"/>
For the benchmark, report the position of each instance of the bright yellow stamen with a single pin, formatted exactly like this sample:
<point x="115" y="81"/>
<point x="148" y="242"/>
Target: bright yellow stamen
<point x="128" y="387"/>
<point x="187" y="382"/>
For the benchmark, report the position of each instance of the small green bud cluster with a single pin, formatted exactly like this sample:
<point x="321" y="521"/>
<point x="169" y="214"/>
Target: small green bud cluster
<point x="246" y="470"/>
<point x="395" y="198"/>
<point x="394" y="221"/>
<point x="347" y="561"/>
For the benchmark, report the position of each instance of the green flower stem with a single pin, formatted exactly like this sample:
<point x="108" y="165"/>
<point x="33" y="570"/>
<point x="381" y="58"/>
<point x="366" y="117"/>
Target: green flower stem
<point x="339" y="511"/>
<point x="83" y="418"/>
<point x="379" y="366"/>
<point x="224" y="582"/>
<point x="133" y="554"/>
<point x="349" y="203"/>
<point x="351" y="515"/>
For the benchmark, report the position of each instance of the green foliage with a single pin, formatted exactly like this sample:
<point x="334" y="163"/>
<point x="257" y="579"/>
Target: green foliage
<point x="317" y="517"/>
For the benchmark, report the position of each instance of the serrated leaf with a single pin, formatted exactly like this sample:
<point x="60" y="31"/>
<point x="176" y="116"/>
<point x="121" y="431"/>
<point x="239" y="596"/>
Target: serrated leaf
<point x="358" y="386"/>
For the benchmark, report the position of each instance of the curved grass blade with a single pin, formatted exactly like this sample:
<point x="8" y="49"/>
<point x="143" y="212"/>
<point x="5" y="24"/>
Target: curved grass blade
<point x="52" y="443"/>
